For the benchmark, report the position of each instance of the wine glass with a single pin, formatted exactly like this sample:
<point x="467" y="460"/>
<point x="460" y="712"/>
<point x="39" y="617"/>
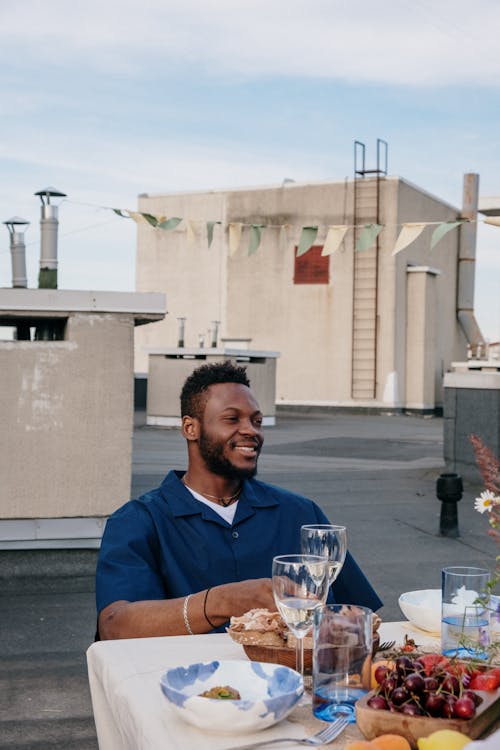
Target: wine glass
<point x="326" y="540"/>
<point x="300" y="585"/>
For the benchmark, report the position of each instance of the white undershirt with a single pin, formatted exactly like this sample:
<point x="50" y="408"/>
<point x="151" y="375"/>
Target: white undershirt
<point x="226" y="513"/>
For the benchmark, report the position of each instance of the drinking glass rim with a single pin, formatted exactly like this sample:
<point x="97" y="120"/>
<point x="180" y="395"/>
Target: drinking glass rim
<point x="335" y="605"/>
<point x="459" y="570"/>
<point x="299" y="558"/>
<point x="323" y="526"/>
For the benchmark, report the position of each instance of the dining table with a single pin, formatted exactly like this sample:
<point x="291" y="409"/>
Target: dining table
<point x="131" y="712"/>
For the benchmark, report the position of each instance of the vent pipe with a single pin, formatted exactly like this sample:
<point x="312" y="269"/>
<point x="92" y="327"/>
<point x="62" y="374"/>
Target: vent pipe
<point x="47" y="278"/>
<point x="17" y="227"/>
<point x="215" y="333"/>
<point x="181" y="325"/>
<point x="467" y="265"/>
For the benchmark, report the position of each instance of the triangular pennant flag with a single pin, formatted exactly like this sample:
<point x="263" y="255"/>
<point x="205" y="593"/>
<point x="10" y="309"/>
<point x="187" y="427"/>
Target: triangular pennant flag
<point x="408" y="234"/>
<point x="119" y="212"/>
<point x="169" y="223"/>
<point x="368" y="235"/>
<point x="139" y="218"/>
<point x="255" y="236"/>
<point x="210" y="230"/>
<point x="307" y="237"/>
<point x="493" y="220"/>
<point x="191" y="235"/>
<point x="235" y="229"/>
<point x="441" y="230"/>
<point x="334" y="239"/>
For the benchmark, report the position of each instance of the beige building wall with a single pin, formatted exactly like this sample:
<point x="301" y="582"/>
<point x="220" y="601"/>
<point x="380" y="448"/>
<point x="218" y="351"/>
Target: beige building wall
<point x="310" y="325"/>
<point x="66" y="406"/>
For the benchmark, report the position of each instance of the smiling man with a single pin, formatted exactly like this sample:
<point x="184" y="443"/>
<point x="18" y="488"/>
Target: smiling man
<point x="186" y="557"/>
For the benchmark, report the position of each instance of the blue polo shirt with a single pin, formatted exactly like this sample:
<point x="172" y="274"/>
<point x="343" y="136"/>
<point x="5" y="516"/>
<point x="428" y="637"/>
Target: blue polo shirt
<point x="167" y="544"/>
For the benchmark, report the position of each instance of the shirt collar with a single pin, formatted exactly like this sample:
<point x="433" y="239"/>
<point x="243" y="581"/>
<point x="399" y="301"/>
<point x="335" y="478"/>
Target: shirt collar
<point x="182" y="502"/>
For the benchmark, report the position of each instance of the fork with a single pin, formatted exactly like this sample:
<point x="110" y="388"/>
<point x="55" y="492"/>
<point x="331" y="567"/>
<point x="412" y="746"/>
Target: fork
<point x="386" y="645"/>
<point x="328" y="734"/>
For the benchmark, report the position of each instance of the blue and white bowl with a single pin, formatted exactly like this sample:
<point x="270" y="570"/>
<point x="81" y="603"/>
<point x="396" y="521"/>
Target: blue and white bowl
<point x="268" y="694"/>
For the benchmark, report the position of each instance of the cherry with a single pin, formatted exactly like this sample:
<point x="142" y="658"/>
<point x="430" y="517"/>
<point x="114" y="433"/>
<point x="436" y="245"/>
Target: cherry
<point x="464" y="708"/>
<point x="431" y="684"/>
<point x="411" y="709"/>
<point x="414" y="683"/>
<point x="378" y="702"/>
<point x="404" y="665"/>
<point x="451" y="684"/>
<point x="381" y="672"/>
<point x="449" y="704"/>
<point x="435" y="703"/>
<point x="399" y="695"/>
<point x="475" y="697"/>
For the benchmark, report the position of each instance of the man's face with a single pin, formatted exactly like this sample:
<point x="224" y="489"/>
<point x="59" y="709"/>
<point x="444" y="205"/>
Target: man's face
<point x="231" y="431"/>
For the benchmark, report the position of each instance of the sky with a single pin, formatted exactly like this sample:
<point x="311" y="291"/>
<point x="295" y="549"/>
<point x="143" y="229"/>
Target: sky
<point x="107" y="100"/>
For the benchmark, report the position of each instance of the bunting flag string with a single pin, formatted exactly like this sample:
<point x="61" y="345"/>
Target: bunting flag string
<point x="335" y="233"/>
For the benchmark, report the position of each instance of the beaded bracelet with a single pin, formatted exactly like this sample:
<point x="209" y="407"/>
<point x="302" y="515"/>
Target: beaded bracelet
<point x="205" y="609"/>
<point x="185" y="614"/>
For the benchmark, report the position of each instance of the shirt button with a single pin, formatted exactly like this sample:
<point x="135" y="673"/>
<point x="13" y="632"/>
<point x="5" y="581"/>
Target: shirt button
<point x="235" y="535"/>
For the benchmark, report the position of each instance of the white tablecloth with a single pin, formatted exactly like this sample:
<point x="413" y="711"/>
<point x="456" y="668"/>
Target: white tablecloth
<point x="131" y="712"/>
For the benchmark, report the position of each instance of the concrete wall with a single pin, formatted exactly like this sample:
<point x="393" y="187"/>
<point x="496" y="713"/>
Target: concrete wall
<point x="310" y="325"/>
<point x="471" y="406"/>
<point x="67" y="408"/>
<point x="168" y="371"/>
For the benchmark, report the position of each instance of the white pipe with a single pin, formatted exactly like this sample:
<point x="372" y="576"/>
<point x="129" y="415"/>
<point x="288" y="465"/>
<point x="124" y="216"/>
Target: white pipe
<point x="467" y="265"/>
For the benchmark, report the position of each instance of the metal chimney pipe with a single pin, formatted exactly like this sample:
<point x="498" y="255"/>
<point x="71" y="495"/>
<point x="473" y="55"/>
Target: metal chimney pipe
<point x="180" y="335"/>
<point x="47" y="278"/>
<point x="215" y="333"/>
<point x="467" y="265"/>
<point x="17" y="226"/>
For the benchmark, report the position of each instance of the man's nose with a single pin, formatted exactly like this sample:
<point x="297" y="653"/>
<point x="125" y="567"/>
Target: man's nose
<point x="248" y="427"/>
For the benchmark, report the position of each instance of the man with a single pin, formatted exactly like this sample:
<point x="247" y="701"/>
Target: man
<point x="187" y="556"/>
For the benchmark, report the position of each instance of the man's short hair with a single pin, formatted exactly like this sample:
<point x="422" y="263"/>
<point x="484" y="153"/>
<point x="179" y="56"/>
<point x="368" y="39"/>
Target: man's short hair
<point x="194" y="391"/>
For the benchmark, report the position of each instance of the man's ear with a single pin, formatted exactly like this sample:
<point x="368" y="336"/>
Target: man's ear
<point x="191" y="428"/>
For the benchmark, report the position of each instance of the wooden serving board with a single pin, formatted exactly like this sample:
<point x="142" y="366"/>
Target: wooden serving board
<point x="274" y="655"/>
<point x="372" y="723"/>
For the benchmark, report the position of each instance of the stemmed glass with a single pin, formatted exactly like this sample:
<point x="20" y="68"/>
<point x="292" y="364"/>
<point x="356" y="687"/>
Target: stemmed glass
<point x="300" y="585"/>
<point x="325" y="540"/>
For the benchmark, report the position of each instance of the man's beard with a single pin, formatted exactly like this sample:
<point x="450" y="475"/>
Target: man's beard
<point x="213" y="455"/>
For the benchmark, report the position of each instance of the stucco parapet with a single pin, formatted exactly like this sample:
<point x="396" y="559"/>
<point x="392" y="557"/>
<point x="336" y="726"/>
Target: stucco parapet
<point x="145" y="306"/>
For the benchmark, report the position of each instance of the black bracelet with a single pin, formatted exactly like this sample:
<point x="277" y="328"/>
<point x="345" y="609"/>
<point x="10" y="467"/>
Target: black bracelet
<point x="205" y="609"/>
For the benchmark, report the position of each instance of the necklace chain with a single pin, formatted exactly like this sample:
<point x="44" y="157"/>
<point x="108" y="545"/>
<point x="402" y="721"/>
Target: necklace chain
<point x="224" y="501"/>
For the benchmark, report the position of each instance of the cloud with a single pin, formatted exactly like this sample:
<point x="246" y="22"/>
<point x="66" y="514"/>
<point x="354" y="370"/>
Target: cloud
<point x="399" y="42"/>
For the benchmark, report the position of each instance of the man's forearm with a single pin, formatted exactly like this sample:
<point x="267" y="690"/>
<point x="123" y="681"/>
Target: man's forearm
<point x="200" y="614"/>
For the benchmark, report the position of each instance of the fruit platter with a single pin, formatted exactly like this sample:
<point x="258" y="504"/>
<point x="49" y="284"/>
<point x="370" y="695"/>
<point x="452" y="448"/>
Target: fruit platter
<point x="416" y="694"/>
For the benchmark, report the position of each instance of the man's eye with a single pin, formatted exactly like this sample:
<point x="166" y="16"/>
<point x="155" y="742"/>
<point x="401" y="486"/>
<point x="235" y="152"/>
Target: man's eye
<point x="258" y="422"/>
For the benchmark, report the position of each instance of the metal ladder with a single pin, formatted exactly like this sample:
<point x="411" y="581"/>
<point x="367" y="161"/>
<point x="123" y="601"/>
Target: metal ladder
<point x="365" y="274"/>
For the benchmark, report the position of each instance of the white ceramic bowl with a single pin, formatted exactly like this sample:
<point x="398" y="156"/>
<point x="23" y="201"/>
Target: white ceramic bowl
<point x="268" y="694"/>
<point x="423" y="608"/>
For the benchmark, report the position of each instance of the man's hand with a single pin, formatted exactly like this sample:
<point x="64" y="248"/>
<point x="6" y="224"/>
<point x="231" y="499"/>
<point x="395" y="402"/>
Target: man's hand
<point x="234" y="599"/>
